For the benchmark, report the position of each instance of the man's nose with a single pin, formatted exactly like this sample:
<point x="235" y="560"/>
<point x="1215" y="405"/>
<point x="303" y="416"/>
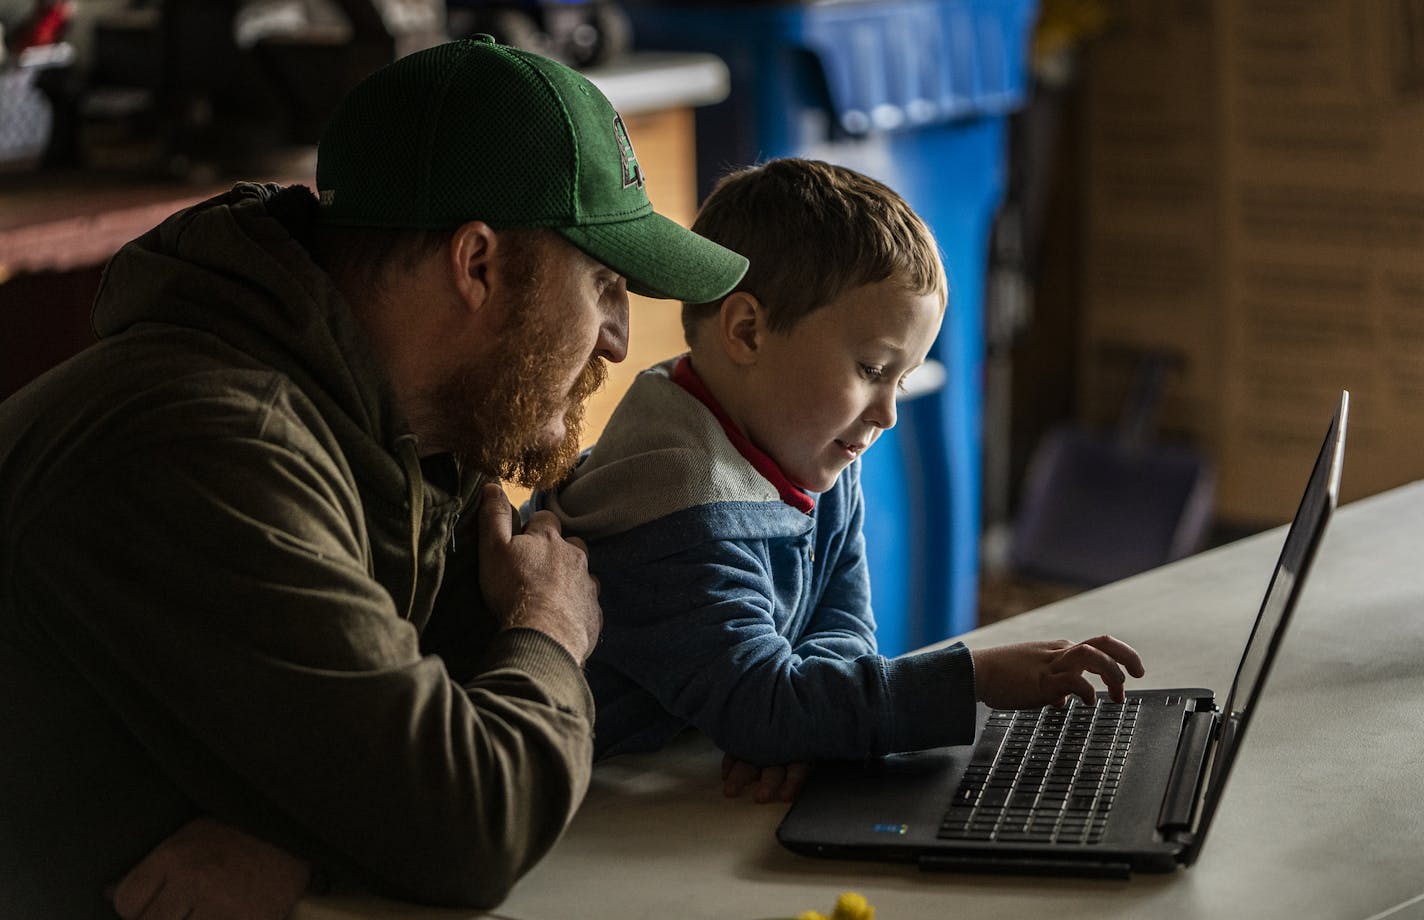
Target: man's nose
<point x="613" y="336"/>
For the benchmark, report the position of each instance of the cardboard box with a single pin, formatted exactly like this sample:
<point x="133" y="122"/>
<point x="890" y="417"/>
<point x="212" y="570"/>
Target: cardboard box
<point x="1256" y="204"/>
<point x="1323" y="232"/>
<point x="1152" y="276"/>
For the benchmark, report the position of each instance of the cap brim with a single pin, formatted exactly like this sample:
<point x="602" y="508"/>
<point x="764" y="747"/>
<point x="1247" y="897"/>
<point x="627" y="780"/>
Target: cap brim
<point x="661" y="258"/>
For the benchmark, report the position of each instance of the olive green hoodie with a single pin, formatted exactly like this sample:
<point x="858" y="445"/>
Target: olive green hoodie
<point x="219" y="566"/>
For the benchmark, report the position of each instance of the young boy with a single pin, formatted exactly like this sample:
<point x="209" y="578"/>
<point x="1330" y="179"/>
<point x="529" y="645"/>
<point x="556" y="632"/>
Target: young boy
<point x="722" y="504"/>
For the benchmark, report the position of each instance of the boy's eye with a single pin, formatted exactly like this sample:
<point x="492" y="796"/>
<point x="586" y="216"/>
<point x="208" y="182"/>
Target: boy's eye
<point x="872" y="371"/>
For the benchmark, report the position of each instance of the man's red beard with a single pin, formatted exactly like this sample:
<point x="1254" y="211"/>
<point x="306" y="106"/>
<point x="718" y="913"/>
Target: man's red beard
<point x="495" y="417"/>
<point x="517" y="454"/>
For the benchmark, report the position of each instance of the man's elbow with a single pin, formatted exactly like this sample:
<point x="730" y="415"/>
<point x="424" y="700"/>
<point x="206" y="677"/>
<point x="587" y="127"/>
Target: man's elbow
<point x="474" y="880"/>
<point x="475" y="864"/>
<point x="484" y="889"/>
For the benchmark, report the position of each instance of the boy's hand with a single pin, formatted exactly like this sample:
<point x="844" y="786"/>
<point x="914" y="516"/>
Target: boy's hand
<point x="536" y="578"/>
<point x="1045" y="673"/>
<point x="212" y="870"/>
<point x="779" y="783"/>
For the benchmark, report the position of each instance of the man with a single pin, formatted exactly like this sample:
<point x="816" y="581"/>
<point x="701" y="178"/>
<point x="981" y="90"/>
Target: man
<point x="258" y="594"/>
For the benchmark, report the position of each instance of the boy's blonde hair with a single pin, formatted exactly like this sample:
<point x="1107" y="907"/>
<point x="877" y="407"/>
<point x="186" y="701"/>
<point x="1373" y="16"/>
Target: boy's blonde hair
<point x="813" y="230"/>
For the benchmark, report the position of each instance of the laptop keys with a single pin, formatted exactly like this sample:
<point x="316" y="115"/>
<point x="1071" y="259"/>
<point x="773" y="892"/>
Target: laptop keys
<point x="1052" y="779"/>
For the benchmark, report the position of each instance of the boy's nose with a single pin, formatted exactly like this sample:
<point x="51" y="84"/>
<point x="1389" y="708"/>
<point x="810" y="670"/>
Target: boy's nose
<point x="882" y="413"/>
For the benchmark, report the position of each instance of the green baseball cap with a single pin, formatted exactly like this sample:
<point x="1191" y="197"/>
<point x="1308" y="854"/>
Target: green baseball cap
<point x="474" y="130"/>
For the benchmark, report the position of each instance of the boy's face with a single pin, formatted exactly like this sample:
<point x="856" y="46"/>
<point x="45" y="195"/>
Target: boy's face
<point x="822" y="392"/>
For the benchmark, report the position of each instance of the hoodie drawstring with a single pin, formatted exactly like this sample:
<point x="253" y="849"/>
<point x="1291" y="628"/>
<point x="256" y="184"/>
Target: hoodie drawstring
<point x="415" y="486"/>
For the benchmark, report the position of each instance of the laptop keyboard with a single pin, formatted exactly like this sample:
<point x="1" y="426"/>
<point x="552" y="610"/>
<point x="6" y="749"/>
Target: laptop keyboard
<point x="1053" y="779"/>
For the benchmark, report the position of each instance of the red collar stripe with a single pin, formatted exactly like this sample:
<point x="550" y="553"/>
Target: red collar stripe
<point x="684" y="376"/>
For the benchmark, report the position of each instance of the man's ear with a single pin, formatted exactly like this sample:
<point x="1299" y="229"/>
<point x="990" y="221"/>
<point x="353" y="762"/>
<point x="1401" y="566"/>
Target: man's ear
<point x="472" y="248"/>
<point x="741" y="326"/>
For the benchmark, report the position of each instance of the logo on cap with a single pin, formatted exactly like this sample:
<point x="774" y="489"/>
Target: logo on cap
<point x="632" y="172"/>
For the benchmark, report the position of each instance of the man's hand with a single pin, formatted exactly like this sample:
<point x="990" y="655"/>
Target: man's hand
<point x="779" y="783"/>
<point x="1046" y="673"/>
<point x="211" y="871"/>
<point x="537" y="579"/>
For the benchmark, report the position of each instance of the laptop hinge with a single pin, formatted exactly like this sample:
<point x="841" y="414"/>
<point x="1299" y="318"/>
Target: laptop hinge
<point x="1180" y="800"/>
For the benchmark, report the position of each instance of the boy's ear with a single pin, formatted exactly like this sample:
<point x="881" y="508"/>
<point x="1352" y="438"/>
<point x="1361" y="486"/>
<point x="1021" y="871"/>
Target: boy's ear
<point x="741" y="326"/>
<point x="473" y="249"/>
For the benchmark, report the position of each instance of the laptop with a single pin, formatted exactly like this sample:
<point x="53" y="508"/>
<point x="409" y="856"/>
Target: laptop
<point x="1089" y="790"/>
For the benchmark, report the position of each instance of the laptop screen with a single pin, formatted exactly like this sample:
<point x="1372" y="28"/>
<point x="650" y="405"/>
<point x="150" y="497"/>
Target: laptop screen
<point x="1321" y="494"/>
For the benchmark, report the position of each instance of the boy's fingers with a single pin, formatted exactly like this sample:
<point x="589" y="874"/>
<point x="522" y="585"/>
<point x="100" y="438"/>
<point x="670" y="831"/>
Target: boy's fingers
<point x="1075" y="684"/>
<point x="796" y="774"/>
<point x="1120" y="651"/>
<point x="1086" y="657"/>
<point x="738" y="778"/>
<point x="771" y="779"/>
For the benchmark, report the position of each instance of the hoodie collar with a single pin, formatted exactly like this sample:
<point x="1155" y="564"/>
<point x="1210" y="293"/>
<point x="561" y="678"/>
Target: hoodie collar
<point x="684" y="376"/>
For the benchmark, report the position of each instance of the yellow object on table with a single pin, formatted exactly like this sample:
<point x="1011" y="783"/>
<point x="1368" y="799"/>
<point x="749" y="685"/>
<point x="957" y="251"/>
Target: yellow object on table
<point x="849" y="906"/>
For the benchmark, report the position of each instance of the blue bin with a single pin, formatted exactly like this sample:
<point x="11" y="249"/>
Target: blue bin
<point x="917" y="95"/>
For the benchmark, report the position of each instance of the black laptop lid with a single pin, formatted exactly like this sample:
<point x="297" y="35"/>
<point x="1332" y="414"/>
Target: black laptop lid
<point x="1321" y="495"/>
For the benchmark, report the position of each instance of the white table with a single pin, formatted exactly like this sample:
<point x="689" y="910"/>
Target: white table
<point x="1323" y="816"/>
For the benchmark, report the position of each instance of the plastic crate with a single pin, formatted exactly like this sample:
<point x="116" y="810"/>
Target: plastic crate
<point x="917" y="95"/>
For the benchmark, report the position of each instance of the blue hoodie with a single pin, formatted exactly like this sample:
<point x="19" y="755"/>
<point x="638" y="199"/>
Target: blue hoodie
<point x="729" y="610"/>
